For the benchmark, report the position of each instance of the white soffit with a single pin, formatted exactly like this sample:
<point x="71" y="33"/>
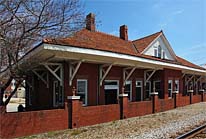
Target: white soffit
<point x="116" y="55"/>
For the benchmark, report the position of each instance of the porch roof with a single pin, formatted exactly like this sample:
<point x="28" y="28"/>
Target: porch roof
<point x="58" y="53"/>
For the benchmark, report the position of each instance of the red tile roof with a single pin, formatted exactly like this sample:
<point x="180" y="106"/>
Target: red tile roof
<point x="96" y="40"/>
<point x="102" y="41"/>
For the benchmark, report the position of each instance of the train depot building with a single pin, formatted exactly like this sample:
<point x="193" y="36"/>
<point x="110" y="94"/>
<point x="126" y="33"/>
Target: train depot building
<point x="93" y="77"/>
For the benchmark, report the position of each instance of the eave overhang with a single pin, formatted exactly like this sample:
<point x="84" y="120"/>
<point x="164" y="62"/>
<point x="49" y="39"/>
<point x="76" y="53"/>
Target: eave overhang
<point x="51" y="52"/>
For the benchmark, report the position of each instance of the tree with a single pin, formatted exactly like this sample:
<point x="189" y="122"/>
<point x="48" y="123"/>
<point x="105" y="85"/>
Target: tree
<point x="24" y="23"/>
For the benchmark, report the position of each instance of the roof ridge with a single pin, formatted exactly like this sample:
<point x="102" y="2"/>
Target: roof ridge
<point x="110" y="35"/>
<point x="148" y="36"/>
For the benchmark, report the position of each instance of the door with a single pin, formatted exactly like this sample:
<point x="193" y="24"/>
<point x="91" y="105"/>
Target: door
<point x="139" y="95"/>
<point x="111" y="89"/>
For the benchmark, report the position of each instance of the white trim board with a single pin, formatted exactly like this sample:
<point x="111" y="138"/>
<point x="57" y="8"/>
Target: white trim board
<point x="117" y="55"/>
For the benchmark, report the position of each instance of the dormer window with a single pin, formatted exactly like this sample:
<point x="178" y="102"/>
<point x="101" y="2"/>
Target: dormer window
<point x="158" y="52"/>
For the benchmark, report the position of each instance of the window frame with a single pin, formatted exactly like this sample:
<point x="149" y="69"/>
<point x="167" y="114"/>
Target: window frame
<point x="129" y="82"/>
<point x="86" y="90"/>
<point x="170" y="81"/>
<point x="178" y="85"/>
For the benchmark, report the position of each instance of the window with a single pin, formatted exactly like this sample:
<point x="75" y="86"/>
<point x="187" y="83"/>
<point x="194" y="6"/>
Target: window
<point x="169" y="88"/>
<point x="82" y="90"/>
<point x="155" y="52"/>
<point x="111" y="91"/>
<point x="57" y="94"/>
<point x="148" y="89"/>
<point x="176" y="85"/>
<point x="139" y="95"/>
<point x="128" y="89"/>
<point x="159" y="51"/>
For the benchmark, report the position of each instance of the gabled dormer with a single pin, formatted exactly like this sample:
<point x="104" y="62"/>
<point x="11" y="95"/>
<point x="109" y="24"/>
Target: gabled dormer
<point x="155" y="45"/>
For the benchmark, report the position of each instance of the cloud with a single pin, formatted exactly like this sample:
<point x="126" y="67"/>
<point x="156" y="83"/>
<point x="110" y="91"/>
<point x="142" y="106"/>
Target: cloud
<point x="170" y="18"/>
<point x="177" y="12"/>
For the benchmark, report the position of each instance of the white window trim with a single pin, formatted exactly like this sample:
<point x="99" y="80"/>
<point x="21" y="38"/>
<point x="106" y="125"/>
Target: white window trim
<point x="150" y="87"/>
<point x="170" y="81"/>
<point x="141" y="88"/>
<point x="178" y="88"/>
<point x="159" y="51"/>
<point x="156" y="49"/>
<point x="86" y="91"/>
<point x="130" y="82"/>
<point x="113" y="86"/>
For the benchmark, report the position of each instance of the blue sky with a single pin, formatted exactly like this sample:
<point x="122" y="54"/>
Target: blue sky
<point x="182" y="21"/>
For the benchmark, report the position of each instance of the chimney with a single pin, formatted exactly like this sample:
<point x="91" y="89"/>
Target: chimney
<point x="123" y="32"/>
<point x="90" y="22"/>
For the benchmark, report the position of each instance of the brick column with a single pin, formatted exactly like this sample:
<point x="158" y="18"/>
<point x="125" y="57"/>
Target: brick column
<point x="191" y="94"/>
<point x="154" y="96"/>
<point x="174" y="93"/>
<point x="73" y="111"/>
<point x="123" y="98"/>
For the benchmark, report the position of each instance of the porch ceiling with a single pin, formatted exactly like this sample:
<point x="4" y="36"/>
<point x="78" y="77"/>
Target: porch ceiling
<point x="58" y="53"/>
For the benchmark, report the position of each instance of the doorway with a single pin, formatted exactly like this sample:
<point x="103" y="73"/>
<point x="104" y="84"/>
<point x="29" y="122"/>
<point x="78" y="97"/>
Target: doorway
<point x="111" y="89"/>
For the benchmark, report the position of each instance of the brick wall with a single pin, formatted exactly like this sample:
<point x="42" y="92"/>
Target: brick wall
<point x="196" y="98"/>
<point x="164" y="105"/>
<point x="28" y="123"/>
<point x="182" y="100"/>
<point x="139" y="108"/>
<point x="90" y="115"/>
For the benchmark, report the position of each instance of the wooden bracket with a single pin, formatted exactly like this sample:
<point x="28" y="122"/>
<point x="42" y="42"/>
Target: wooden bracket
<point x="127" y="74"/>
<point x="73" y="70"/>
<point x="103" y="73"/>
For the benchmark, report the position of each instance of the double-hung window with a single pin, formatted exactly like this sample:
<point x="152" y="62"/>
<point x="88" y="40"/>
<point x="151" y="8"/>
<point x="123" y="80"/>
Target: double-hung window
<point x="128" y="89"/>
<point x="82" y="90"/>
<point x="169" y="88"/>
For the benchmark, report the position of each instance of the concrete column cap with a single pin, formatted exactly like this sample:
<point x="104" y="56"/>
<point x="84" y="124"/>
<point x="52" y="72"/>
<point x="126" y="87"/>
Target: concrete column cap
<point x="123" y="95"/>
<point x="73" y="97"/>
<point x="190" y="91"/>
<point x="154" y="93"/>
<point x="175" y="92"/>
<point x="201" y="90"/>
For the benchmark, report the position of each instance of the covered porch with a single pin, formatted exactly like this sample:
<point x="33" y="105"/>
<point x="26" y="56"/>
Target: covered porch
<point x="55" y="72"/>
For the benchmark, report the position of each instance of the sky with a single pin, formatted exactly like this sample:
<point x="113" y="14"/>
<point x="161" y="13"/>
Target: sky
<point x="182" y="21"/>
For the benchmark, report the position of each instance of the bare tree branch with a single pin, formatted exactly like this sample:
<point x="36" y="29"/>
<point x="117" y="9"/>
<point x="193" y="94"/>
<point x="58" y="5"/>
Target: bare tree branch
<point x="24" y="23"/>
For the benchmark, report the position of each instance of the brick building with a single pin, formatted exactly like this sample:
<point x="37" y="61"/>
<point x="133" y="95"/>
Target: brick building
<point x="99" y="65"/>
<point x="93" y="77"/>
